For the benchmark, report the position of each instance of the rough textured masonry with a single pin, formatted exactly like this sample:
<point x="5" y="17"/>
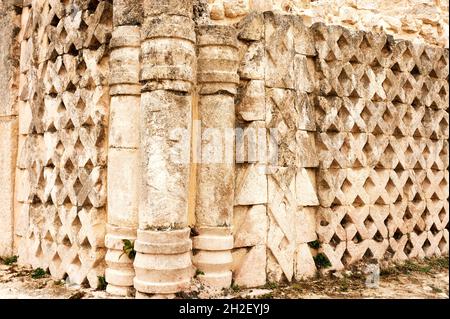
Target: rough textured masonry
<point x="342" y="155"/>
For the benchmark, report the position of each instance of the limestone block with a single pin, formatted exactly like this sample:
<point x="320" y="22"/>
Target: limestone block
<point x="123" y="177"/>
<point x="127" y="12"/>
<point x="281" y="118"/>
<point x="281" y="212"/>
<point x="365" y="249"/>
<point x="397" y="247"/>
<point x="235" y="8"/>
<point x="379" y="214"/>
<point x="331" y="149"/>
<point x="437" y="214"/>
<point x="303" y="38"/>
<point x="249" y="226"/>
<point x="252" y="57"/>
<point x="305" y="77"/>
<point x="327" y="114"/>
<point x="305" y="108"/>
<point x="279" y="58"/>
<point x="25" y="117"/>
<point x="444" y="243"/>
<point x="251" y="142"/>
<point x="249" y="266"/>
<point x="306" y="149"/>
<point x="435" y="184"/>
<point x="335" y="254"/>
<point x="306" y="188"/>
<point x="331" y="224"/>
<point x="251" y="106"/>
<point x="124" y="121"/>
<point x="330" y="190"/>
<point x="251" y="28"/>
<point x="21" y="219"/>
<point x="23" y="188"/>
<point x="305" y="225"/>
<point x="8" y="153"/>
<point x="217" y="11"/>
<point x="304" y="263"/>
<point x="251" y="185"/>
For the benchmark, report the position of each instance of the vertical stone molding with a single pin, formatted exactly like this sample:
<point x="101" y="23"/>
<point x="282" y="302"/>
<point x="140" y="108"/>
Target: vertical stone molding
<point x="163" y="262"/>
<point x="218" y="61"/>
<point x="123" y="159"/>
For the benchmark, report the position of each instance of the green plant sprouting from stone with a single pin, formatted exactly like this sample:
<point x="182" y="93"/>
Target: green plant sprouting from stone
<point x="128" y="249"/>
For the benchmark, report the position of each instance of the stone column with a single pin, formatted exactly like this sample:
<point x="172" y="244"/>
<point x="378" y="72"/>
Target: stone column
<point x="217" y="84"/>
<point x="9" y="77"/>
<point x="163" y="262"/>
<point x="123" y="154"/>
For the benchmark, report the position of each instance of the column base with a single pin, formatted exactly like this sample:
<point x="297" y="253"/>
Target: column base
<point x="163" y="262"/>
<point x="119" y="273"/>
<point x="214" y="257"/>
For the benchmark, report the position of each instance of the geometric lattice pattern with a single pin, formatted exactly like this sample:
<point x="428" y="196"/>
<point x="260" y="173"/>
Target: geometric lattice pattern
<point x="65" y="100"/>
<point x="383" y="125"/>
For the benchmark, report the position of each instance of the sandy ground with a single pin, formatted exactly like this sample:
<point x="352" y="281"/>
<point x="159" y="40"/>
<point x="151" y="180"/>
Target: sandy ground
<point x="419" y="279"/>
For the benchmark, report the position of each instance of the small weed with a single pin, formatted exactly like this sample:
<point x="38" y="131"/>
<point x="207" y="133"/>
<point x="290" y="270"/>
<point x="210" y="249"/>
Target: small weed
<point x="235" y="288"/>
<point x="8" y="261"/>
<point x="322" y="261"/>
<point x="271" y="285"/>
<point x="38" y="273"/>
<point x="314" y="244"/>
<point x="77" y="295"/>
<point x="297" y="287"/>
<point x="441" y="262"/>
<point x="59" y="282"/>
<point x="344" y="285"/>
<point x="266" y="296"/>
<point x="128" y="249"/>
<point x="101" y="285"/>
<point x="436" y="290"/>
<point x="198" y="272"/>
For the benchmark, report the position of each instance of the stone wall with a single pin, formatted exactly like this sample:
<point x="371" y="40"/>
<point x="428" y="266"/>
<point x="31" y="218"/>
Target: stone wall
<point x="362" y="123"/>
<point x="64" y="113"/>
<point x="340" y="152"/>
<point x="425" y="20"/>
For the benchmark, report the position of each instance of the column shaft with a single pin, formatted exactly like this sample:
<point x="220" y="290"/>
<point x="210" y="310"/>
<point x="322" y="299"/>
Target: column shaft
<point x="217" y="81"/>
<point x="123" y="154"/>
<point x="163" y="261"/>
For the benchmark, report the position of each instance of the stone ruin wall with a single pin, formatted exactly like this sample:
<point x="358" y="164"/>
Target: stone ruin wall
<point x="415" y="20"/>
<point x="361" y="122"/>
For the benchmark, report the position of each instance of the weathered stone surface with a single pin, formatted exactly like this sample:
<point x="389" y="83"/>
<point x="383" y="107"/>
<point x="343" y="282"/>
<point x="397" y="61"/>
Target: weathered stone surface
<point x="8" y="153"/>
<point x="249" y="266"/>
<point x="306" y="188"/>
<point x="252" y="104"/>
<point x="124" y="121"/>
<point x="279" y="62"/>
<point x="305" y="225"/>
<point x="164" y="173"/>
<point x="251" y="185"/>
<point x="350" y="148"/>
<point x="249" y="226"/>
<point x="127" y="12"/>
<point x="304" y="263"/>
<point x="123" y="177"/>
